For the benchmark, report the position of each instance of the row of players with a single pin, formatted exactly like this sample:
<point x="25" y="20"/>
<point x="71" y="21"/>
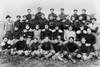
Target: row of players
<point x="63" y="20"/>
<point x="27" y="27"/>
<point x="83" y="48"/>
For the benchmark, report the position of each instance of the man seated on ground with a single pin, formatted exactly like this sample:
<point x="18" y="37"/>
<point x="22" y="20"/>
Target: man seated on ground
<point x="84" y="52"/>
<point x="19" y="47"/>
<point x="58" y="48"/>
<point x="6" y="44"/>
<point x="70" y="49"/>
<point x="35" y="48"/>
<point x="46" y="48"/>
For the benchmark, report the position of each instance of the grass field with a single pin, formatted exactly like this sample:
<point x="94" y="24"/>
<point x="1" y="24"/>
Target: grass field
<point x="19" y="61"/>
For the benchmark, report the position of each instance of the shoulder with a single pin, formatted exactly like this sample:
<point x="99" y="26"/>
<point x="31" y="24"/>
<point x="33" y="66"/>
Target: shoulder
<point x="60" y="31"/>
<point x="84" y="31"/>
<point x="53" y="30"/>
<point x="78" y="32"/>
<point x="43" y="30"/>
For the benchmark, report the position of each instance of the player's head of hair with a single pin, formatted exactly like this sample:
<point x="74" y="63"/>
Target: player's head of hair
<point x="24" y="16"/>
<point x="52" y="9"/>
<point x="94" y="19"/>
<point x="75" y="10"/>
<point x="43" y="14"/>
<point x="39" y="8"/>
<point x="18" y="16"/>
<point x="62" y="9"/>
<point x="8" y="16"/>
<point x="84" y="10"/>
<point x="28" y="9"/>
<point x="71" y="37"/>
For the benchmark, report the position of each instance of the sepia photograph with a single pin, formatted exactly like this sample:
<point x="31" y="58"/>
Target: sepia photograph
<point x="49" y="33"/>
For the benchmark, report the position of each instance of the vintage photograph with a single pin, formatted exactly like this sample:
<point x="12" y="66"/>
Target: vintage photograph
<point x="49" y="33"/>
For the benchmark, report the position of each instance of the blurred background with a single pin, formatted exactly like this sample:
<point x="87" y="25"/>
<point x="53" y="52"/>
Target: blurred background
<point x="19" y="7"/>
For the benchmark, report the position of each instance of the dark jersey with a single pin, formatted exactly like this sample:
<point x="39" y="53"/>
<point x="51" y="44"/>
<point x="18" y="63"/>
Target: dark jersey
<point x="17" y="24"/>
<point x="20" y="45"/>
<point x="34" y="46"/>
<point x="57" y="47"/>
<point x="70" y="47"/>
<point x="84" y="16"/>
<point x="76" y="16"/>
<point x="16" y="34"/>
<point x="80" y="34"/>
<point x="62" y="16"/>
<point x="46" y="32"/>
<point x="46" y="46"/>
<point x="59" y="24"/>
<point x="66" y="24"/>
<point x="52" y="24"/>
<point x="84" y="48"/>
<point x="24" y="23"/>
<point x="53" y="15"/>
<point x="33" y="23"/>
<point x="90" y="38"/>
<point x="38" y="16"/>
<point x="28" y="16"/>
<point x="77" y="24"/>
<point x="42" y="23"/>
<point x="27" y="32"/>
<point x="57" y="33"/>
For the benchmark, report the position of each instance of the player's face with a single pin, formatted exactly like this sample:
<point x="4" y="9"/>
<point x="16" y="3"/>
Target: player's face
<point x="56" y="41"/>
<point x="28" y="11"/>
<point x="24" y="18"/>
<point x="35" y="40"/>
<point x="83" y="12"/>
<point x="27" y="27"/>
<point x="93" y="21"/>
<point x="89" y="31"/>
<point x="73" y="18"/>
<point x="75" y="12"/>
<point x="81" y="28"/>
<point x="46" y="39"/>
<point x="16" y="28"/>
<point x="33" y="17"/>
<point x="46" y="26"/>
<point x="62" y="11"/>
<point x="88" y="17"/>
<point x="56" y="27"/>
<point x="67" y="17"/>
<point x="5" y="39"/>
<point x="71" y="40"/>
<point x="58" y="18"/>
<point x="21" y="38"/>
<point x="80" y="17"/>
<point x="83" y="40"/>
<point x="43" y="16"/>
<point x="39" y="9"/>
<point x="70" y="28"/>
<point x="37" y="27"/>
<point x="8" y="19"/>
<point x="18" y="18"/>
<point x="52" y="11"/>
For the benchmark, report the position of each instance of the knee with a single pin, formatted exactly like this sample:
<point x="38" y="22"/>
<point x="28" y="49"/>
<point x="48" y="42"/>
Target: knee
<point x="53" y="52"/>
<point x="65" y="52"/>
<point x="79" y="55"/>
<point x="26" y="53"/>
